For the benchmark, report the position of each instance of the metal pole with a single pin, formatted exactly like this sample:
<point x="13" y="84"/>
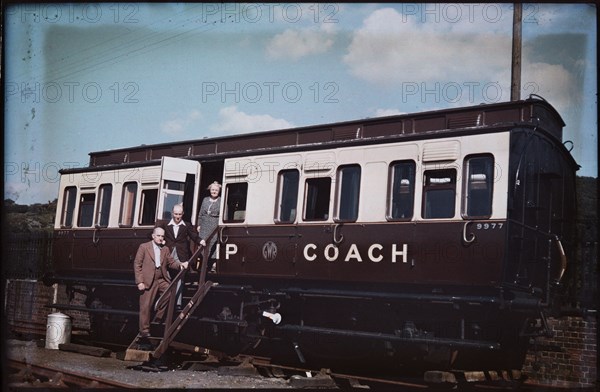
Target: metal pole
<point x="515" y="82"/>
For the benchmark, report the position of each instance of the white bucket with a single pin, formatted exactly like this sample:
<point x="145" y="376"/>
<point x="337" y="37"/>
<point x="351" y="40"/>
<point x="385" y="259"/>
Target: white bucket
<point x="58" y="330"/>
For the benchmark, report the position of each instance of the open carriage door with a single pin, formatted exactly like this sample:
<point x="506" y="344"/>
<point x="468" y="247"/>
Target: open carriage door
<point x="179" y="183"/>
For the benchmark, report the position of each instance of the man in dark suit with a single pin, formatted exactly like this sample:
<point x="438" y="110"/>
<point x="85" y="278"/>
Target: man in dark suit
<point x="152" y="277"/>
<point x="178" y="237"/>
<point x="179" y="234"/>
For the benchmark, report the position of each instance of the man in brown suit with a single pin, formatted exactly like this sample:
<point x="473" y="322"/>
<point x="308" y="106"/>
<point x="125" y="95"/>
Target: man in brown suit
<point x="152" y="277"/>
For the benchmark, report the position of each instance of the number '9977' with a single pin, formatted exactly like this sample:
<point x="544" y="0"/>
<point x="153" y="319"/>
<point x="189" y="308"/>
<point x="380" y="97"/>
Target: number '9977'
<point x="489" y="226"/>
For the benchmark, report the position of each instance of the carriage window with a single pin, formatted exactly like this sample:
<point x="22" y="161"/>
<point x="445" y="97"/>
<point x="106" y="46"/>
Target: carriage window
<point x="287" y="199"/>
<point x="235" y="202"/>
<point x="439" y="193"/>
<point x="103" y="209"/>
<point x="479" y="181"/>
<point x="173" y="194"/>
<point x="401" y="190"/>
<point x="148" y="207"/>
<point x="69" y="199"/>
<point x="127" y="204"/>
<point x="316" y="198"/>
<point x="86" y="210"/>
<point x="348" y="189"/>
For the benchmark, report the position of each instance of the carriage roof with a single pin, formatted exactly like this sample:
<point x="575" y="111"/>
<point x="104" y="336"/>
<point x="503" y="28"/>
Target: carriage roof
<point x="438" y="123"/>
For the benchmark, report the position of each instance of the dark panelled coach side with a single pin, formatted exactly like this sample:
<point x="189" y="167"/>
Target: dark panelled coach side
<point x="541" y="210"/>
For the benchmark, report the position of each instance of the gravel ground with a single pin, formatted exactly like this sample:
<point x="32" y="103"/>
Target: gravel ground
<point x="121" y="371"/>
<point x="117" y="370"/>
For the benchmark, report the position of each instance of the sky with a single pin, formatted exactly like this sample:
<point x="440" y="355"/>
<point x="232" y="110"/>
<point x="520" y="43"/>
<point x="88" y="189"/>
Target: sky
<point x="96" y="76"/>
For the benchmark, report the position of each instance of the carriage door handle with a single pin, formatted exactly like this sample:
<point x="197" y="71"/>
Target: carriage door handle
<point x="335" y="237"/>
<point x="563" y="259"/>
<point x="464" y="234"/>
<point x="96" y="238"/>
<point x="222" y="239"/>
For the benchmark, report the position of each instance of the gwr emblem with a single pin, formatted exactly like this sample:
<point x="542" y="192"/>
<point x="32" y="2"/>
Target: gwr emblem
<point x="269" y="251"/>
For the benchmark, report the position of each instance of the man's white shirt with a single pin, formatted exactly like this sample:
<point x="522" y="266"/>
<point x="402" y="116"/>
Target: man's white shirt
<point x="176" y="226"/>
<point x="156" y="255"/>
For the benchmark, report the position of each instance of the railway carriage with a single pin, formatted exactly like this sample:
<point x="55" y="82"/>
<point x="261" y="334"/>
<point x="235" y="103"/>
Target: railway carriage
<point x="434" y="240"/>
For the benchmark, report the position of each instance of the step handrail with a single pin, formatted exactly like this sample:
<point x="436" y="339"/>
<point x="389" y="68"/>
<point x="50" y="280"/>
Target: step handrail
<point x="172" y="328"/>
<point x="181" y="274"/>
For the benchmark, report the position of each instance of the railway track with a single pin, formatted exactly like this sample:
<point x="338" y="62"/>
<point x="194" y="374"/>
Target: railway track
<point x="27" y="375"/>
<point x="213" y="368"/>
<point x="320" y="378"/>
<point x="300" y="377"/>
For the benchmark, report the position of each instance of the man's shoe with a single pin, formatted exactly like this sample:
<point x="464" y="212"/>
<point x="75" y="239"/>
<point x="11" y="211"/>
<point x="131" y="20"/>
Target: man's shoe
<point x="144" y="338"/>
<point x="147" y="346"/>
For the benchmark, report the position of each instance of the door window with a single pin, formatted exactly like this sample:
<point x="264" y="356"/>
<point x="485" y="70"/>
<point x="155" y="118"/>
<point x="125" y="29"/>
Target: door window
<point x="439" y="194"/>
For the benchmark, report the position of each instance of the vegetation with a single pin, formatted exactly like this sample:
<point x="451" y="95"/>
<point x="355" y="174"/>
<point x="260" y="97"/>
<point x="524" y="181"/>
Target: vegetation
<point x="29" y="218"/>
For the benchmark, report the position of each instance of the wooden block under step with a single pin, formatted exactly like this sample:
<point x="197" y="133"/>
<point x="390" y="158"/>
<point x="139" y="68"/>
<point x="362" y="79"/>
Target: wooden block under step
<point x="439" y="377"/>
<point x="137" y="355"/>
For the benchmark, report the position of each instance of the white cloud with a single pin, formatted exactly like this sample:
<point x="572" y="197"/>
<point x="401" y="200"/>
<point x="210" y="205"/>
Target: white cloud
<point x="34" y="190"/>
<point x="387" y="112"/>
<point x="14" y="190"/>
<point x="551" y="81"/>
<point x="295" y="44"/>
<point x="233" y="121"/>
<point x="179" y="126"/>
<point x="391" y="48"/>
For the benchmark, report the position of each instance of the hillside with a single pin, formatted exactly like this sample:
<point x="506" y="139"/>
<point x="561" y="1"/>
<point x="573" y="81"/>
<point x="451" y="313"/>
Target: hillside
<point x="29" y="218"/>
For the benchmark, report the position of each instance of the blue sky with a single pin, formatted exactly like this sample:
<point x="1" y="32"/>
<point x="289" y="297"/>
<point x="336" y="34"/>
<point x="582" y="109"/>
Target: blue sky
<point x="98" y="76"/>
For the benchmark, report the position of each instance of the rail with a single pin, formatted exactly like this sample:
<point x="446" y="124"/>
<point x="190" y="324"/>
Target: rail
<point x="59" y="378"/>
<point x="173" y="326"/>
